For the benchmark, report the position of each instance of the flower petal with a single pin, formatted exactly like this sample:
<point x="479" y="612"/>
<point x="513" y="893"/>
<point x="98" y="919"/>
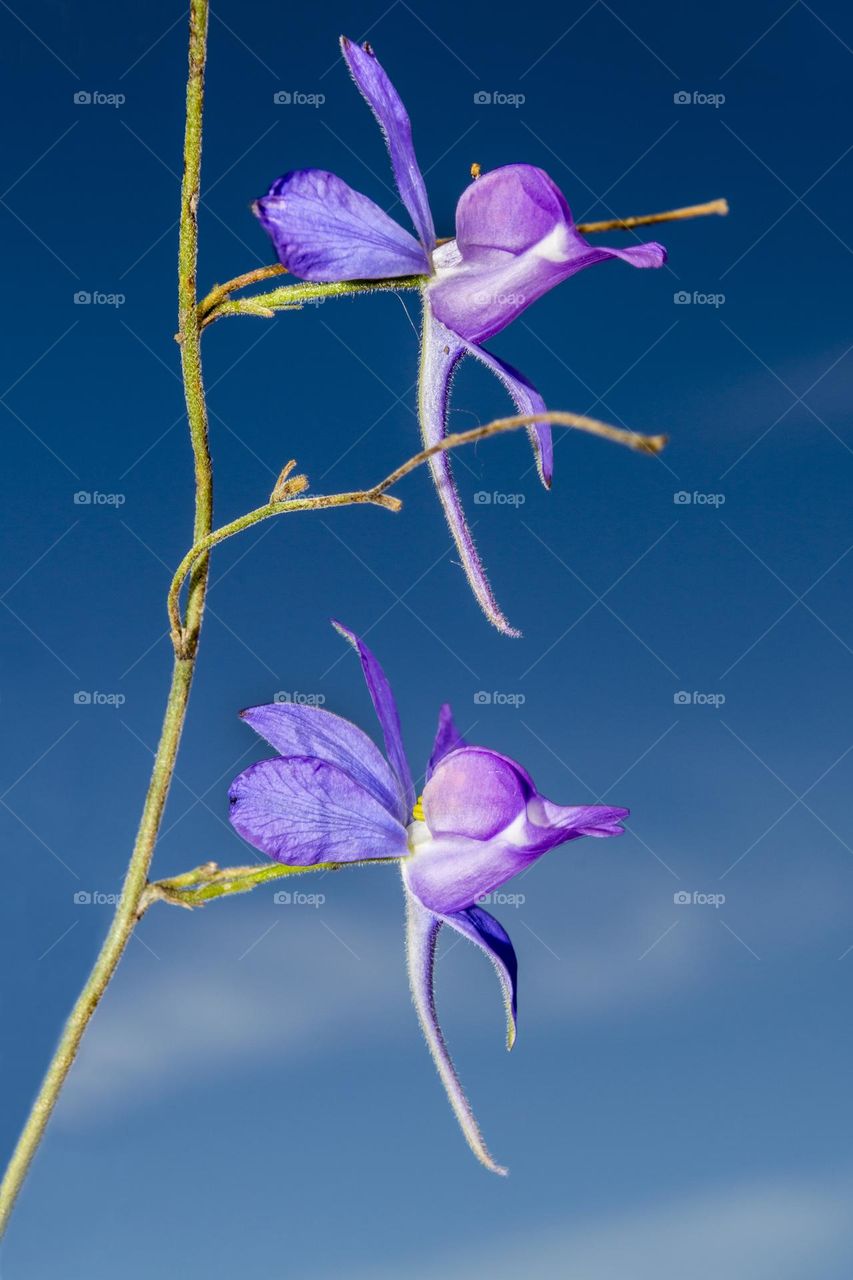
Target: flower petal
<point x="422" y="929"/>
<point x="302" y="810"/>
<point x="296" y="730"/>
<point x="475" y="793"/>
<point x="440" y="354"/>
<point x="449" y="873"/>
<point x="447" y="739"/>
<point x="551" y="824"/>
<point x="389" y="718"/>
<point x="392" y="118"/>
<point x="527" y="400"/>
<point x="324" y="230"/>
<point x="515" y="240"/>
<point x="484" y="822"/>
<point x="490" y="936"/>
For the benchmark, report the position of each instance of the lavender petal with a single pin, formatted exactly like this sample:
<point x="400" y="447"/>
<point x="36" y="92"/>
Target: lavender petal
<point x="447" y="739"/>
<point x="392" y="118"/>
<point x="301" y="811"/>
<point x="515" y="240"/>
<point x="485" y="822"/>
<point x="324" y="230"/>
<point x="298" y="730"/>
<point x="389" y="717"/>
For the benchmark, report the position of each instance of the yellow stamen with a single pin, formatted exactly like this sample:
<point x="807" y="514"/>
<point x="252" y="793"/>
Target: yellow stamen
<point x="418" y="811"/>
<point x="475" y="171"/>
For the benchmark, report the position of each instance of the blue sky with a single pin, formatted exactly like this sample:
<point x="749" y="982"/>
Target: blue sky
<point x="254" y="1093"/>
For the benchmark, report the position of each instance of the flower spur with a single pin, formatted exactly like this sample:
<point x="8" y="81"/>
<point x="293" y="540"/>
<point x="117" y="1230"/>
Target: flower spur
<point x="331" y="797"/>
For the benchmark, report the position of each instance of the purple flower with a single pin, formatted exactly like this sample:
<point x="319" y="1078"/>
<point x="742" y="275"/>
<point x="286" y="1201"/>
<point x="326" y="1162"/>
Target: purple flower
<point x="515" y="239"/>
<point x="330" y="796"/>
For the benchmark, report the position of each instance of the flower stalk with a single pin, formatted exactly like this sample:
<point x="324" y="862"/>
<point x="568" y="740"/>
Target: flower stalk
<point x="209" y="881"/>
<point x="290" y="297"/>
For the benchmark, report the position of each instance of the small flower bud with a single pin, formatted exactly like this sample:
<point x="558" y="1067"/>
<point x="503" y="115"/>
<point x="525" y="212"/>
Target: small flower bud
<point x="287" y="485"/>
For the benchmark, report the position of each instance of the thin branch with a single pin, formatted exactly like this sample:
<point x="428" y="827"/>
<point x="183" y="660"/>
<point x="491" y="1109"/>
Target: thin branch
<point x="630" y="439"/>
<point x="720" y="207"/>
<point x="221" y="291"/>
<point x="378" y="494"/>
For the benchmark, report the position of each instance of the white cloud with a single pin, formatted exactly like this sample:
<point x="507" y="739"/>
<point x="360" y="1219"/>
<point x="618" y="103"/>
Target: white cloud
<point x="759" y="1231"/>
<point x="227" y="986"/>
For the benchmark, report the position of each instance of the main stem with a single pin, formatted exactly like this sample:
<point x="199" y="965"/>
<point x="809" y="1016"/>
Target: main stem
<point x="189" y="330"/>
<point x="136" y="878"/>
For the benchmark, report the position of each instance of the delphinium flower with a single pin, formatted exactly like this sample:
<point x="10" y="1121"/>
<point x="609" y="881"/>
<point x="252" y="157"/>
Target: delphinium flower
<point x="515" y="239"/>
<point x="331" y="797"/>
